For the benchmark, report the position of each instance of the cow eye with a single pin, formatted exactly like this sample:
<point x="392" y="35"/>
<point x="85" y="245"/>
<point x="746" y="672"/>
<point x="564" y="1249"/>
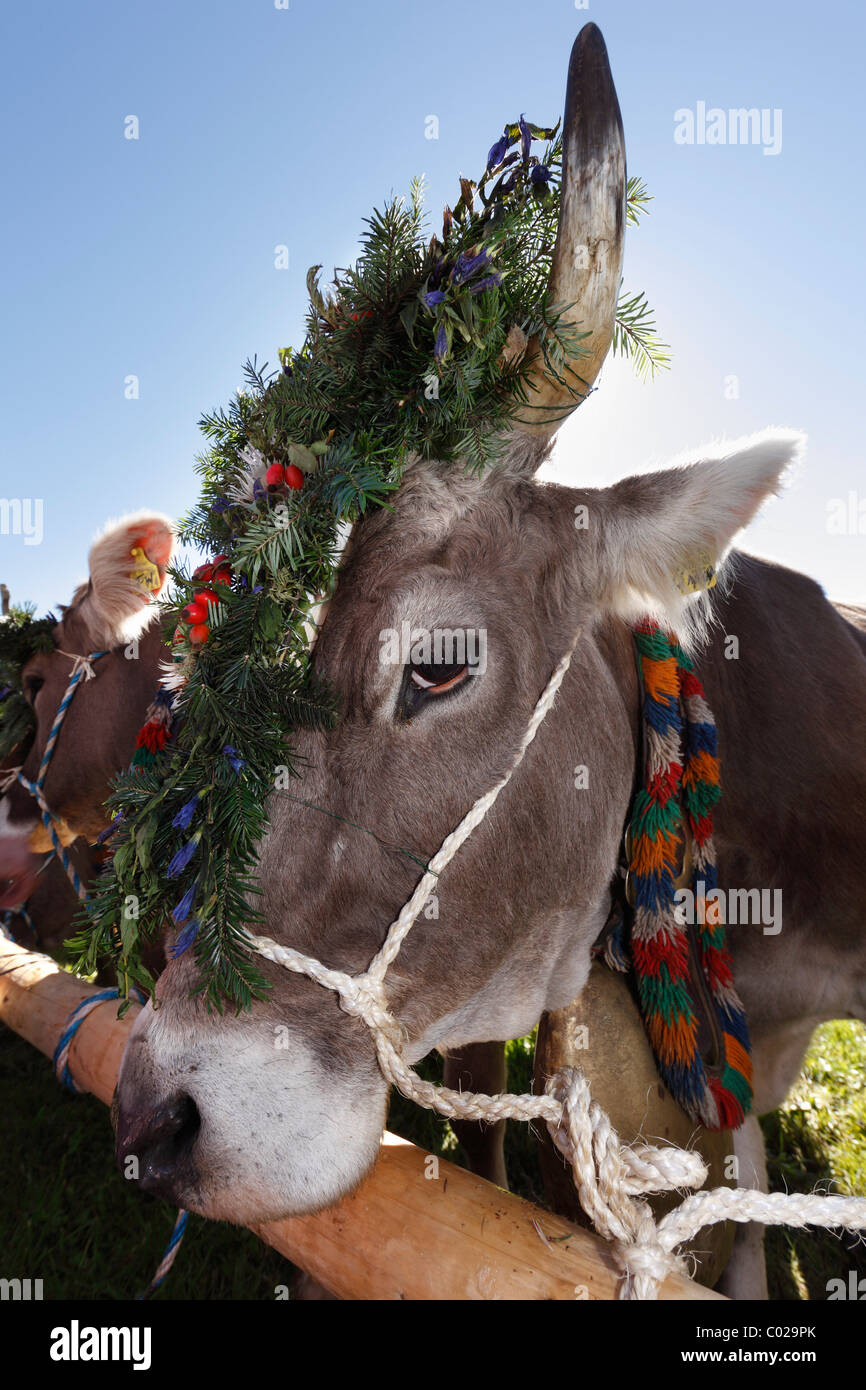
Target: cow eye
<point x="32" y="687"/>
<point x="434" y="678"/>
<point x="423" y="681"/>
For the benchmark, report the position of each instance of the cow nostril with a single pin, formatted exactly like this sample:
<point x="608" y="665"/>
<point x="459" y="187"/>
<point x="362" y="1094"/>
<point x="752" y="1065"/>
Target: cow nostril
<point x="153" y="1148"/>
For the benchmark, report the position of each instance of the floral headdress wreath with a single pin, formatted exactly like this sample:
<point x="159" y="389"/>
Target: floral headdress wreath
<point x="404" y="357"/>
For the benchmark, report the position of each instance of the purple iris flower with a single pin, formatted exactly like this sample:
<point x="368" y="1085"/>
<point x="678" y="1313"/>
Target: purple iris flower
<point x="182" y="858"/>
<point x="234" y="758"/>
<point x="525" y="137"/>
<point x="183" y="819"/>
<point x="433" y="297"/>
<point x="540" y="174"/>
<point x="441" y="345"/>
<point x="258" y="491"/>
<point x="186" y="937"/>
<point x="497" y="152"/>
<point x="258" y="588"/>
<point x="222" y="504"/>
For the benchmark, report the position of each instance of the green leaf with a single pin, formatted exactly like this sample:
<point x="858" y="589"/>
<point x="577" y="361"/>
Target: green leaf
<point x="144" y="835"/>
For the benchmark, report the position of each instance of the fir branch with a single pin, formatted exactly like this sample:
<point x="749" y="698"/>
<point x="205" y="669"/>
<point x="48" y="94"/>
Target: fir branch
<point x="635" y="336"/>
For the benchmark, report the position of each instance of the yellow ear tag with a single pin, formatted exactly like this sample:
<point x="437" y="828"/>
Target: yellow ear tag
<point x="144" y="573"/>
<point x="699" y="574"/>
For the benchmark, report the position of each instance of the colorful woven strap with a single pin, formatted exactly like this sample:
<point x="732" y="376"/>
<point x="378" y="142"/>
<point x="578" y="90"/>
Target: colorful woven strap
<point x="681" y="785"/>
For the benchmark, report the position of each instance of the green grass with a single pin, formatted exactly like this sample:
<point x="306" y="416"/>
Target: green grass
<point x="67" y="1216"/>
<point x="818" y="1139"/>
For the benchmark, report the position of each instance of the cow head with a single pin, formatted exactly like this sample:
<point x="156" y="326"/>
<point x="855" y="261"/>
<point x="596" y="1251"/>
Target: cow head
<point x="279" y="1110"/>
<point x="111" y="612"/>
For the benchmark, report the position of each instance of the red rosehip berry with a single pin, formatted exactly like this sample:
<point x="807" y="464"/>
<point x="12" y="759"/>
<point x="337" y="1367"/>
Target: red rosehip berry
<point x="275" y="476"/>
<point x="195" y="612"/>
<point x="206" y="596"/>
<point x="294" y="476"/>
<point x="199" y="634"/>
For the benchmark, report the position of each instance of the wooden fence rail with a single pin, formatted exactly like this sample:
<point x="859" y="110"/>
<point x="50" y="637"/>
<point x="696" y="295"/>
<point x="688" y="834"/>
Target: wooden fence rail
<point x="402" y="1234"/>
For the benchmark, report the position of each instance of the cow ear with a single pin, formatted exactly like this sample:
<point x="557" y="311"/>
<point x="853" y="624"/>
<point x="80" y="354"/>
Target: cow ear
<point x="128" y="565"/>
<point x="661" y="537"/>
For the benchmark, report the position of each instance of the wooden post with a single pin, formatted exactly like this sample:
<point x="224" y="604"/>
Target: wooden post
<point x="417" y="1227"/>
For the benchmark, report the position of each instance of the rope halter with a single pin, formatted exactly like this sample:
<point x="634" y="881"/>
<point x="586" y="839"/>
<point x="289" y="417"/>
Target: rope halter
<point x="82" y="670"/>
<point x="610" y="1178"/>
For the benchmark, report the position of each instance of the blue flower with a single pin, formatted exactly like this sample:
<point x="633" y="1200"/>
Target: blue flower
<point x="184" y="907"/>
<point x="234" y="758"/>
<point x="222" y="504"/>
<point x="109" y="829"/>
<point x="494" y="279"/>
<point x="525" y="137"/>
<point x="183" y="819"/>
<point x="540" y="174"/>
<point x="433" y="297"/>
<point x="497" y="152"/>
<point x="466" y="266"/>
<point x="441" y="346"/>
<point x="182" y="858"/>
<point x="186" y="937"/>
<point x="258" y="491"/>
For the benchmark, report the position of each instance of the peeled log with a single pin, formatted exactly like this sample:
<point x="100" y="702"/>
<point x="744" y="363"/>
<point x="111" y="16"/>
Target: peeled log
<point x="401" y="1234"/>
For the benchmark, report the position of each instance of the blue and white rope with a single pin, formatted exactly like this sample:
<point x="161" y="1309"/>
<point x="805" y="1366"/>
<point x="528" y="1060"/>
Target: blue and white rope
<point x="65" y="1077"/>
<point x="169" y="1257"/>
<point x="7" y="917"/>
<point x="73" y="1023"/>
<point x="82" y="669"/>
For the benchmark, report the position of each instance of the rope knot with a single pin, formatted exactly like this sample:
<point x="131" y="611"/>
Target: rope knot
<point x="363" y="996"/>
<point x="9" y="777"/>
<point x="646" y="1264"/>
<point x="609" y="1176"/>
<point x="80" y="665"/>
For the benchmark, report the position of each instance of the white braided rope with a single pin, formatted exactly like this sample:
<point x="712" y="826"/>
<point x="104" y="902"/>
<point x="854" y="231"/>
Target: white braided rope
<point x="609" y="1176"/>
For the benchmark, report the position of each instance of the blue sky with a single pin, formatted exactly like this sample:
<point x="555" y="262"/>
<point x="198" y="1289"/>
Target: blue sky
<point x="261" y="127"/>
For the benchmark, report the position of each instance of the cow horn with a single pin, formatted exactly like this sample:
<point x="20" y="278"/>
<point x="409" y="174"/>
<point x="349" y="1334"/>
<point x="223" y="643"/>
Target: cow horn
<point x="587" y="258"/>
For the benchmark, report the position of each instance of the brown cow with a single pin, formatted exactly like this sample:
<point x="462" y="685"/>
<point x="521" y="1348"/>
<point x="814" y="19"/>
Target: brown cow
<point x="109" y="612"/>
